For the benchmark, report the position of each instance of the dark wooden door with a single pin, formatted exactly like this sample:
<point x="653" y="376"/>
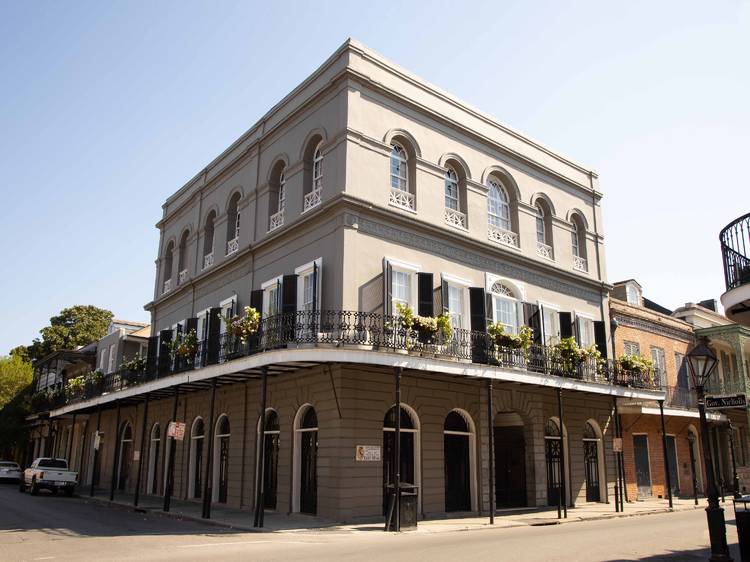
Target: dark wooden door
<point x="407" y="461"/>
<point x="672" y="457"/>
<point x="97" y="474"/>
<point x="457" y="472"/>
<point x="126" y="453"/>
<point x="510" y="467"/>
<point x="155" y="462"/>
<point x="198" y="468"/>
<point x="591" y="464"/>
<point x="223" y="468"/>
<point x="642" y="467"/>
<point x="553" y="458"/>
<point x="308" y="502"/>
<point x="270" y="468"/>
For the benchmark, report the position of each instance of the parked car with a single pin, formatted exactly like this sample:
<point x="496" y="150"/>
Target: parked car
<point x="10" y="471"/>
<point x="49" y="474"/>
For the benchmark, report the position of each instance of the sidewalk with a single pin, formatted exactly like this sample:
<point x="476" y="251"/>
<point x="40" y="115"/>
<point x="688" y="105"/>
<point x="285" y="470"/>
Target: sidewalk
<point x="242" y="519"/>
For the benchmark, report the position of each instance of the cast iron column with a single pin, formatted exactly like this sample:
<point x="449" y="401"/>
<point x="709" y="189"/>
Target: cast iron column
<point x="71" y="435"/>
<point x="169" y="484"/>
<point x="717" y="530"/>
<point x="491" y="432"/>
<point x="614" y="453"/>
<point x="563" y="455"/>
<point x="83" y="450"/>
<point x="735" y="479"/>
<point x="96" y="449"/>
<point x="261" y="456"/>
<point x="691" y="444"/>
<point x="667" y="475"/>
<point x="115" y="460"/>
<point x="140" y="453"/>
<point x="208" y="488"/>
<point x="621" y="461"/>
<point x="397" y="451"/>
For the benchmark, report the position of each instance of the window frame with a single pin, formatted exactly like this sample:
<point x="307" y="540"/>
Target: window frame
<point x="317" y="167"/>
<point x="497" y="220"/>
<point x="267" y="287"/>
<point x="409" y="269"/>
<point x="451" y="183"/>
<point x="400" y="155"/>
<point x="232" y="302"/>
<point x="303" y="272"/>
<point x="548" y="340"/>
<point x="589" y="321"/>
<point x="628" y="345"/>
<point x="462" y="285"/>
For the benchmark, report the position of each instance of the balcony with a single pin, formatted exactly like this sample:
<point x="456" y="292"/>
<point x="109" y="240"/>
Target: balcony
<point x="716" y="386"/>
<point x="208" y="260"/>
<point x="580" y="264"/>
<point x="233" y="246"/>
<point x="182" y="277"/>
<point x="311" y="201"/>
<point x="276" y="221"/>
<point x="544" y="251"/>
<point x="735" y="251"/>
<point x="372" y="333"/>
<point x="402" y="199"/>
<point x="455" y="218"/>
<point x="502" y="236"/>
<point x="167" y="285"/>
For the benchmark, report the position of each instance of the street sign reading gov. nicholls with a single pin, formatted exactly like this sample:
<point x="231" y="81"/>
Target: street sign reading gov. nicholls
<point x="719" y="402"/>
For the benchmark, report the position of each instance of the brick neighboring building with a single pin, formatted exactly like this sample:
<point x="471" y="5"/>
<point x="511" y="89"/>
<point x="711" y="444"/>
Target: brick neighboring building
<point x="647" y="329"/>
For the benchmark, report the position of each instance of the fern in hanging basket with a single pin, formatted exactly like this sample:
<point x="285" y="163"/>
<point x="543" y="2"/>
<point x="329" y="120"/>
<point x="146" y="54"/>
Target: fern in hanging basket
<point x="184" y="345"/>
<point x="242" y="327"/>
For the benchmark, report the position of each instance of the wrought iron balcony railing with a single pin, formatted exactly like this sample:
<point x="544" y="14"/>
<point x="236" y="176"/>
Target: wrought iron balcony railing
<point x="735" y="250"/>
<point x="376" y="333"/>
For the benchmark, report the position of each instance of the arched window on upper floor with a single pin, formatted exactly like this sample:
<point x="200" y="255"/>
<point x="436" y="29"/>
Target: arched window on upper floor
<point x="277" y="196"/>
<point x="208" y="240"/>
<point x="313" y="176"/>
<point x="501" y="208"/>
<point x="168" y="265"/>
<point x="182" y="258"/>
<point x="455" y="195"/>
<point x="543" y="221"/>
<point x="402" y="174"/>
<point x="578" y="243"/>
<point x="233" y="225"/>
<point x="506" y="307"/>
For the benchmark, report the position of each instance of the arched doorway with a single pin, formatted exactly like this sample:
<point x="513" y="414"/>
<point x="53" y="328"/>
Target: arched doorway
<point x="409" y="469"/>
<point x="124" y="455"/>
<point x="152" y="481"/>
<point x="553" y="457"/>
<point x="695" y="457"/>
<point x="458" y="461"/>
<point x="510" y="460"/>
<point x="221" y="460"/>
<point x="271" y="458"/>
<point x="592" y="464"/>
<point x="305" y="489"/>
<point x="197" y="436"/>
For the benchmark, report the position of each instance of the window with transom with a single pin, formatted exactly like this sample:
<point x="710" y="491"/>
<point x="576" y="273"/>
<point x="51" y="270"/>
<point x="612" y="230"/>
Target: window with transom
<point x="541" y="228"/>
<point x="399" y="168"/>
<point x="317" y="176"/>
<point x="498" y="206"/>
<point x="505" y="307"/>
<point x="451" y="190"/>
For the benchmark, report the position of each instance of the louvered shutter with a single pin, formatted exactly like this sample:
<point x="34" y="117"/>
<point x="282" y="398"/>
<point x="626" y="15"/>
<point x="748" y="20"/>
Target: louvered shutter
<point x="387" y="288"/>
<point x="444" y="294"/>
<point x="256" y="300"/>
<point x="478" y="314"/>
<point x="533" y="319"/>
<point x="165" y="337"/>
<point x="424" y="290"/>
<point x="289" y="294"/>
<point x="214" y="336"/>
<point x="600" y="337"/>
<point x="577" y="329"/>
<point x="151" y="355"/>
<point x="316" y="284"/>
<point x="566" y="325"/>
<point x="191" y="324"/>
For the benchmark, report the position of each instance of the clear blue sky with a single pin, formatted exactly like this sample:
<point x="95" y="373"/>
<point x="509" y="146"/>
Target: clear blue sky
<point x="106" y="108"/>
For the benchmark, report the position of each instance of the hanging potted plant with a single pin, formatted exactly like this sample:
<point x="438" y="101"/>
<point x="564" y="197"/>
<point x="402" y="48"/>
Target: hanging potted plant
<point x="242" y="327"/>
<point x="503" y="339"/>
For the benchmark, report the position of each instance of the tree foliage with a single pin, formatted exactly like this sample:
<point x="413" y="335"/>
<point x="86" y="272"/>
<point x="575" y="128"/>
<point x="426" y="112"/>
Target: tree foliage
<point x="15" y="383"/>
<point x="15" y="376"/>
<point x="75" y="326"/>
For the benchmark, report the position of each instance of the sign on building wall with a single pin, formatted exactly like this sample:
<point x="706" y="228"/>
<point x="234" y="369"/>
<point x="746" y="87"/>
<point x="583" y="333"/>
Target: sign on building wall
<point x="97" y="440"/>
<point x="719" y="402"/>
<point x="136" y="456"/>
<point x="176" y="430"/>
<point x="617" y="444"/>
<point x="367" y="453"/>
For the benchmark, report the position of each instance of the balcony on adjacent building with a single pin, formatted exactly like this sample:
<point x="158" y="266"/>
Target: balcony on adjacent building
<point x="233" y="245"/>
<point x="276" y="221"/>
<point x="182" y="277"/>
<point x="502" y="236"/>
<point x="580" y="264"/>
<point x="311" y="201"/>
<point x="208" y="260"/>
<point x="402" y="199"/>
<point x="167" y="285"/>
<point x="455" y="218"/>
<point x="735" y="250"/>
<point x="544" y="251"/>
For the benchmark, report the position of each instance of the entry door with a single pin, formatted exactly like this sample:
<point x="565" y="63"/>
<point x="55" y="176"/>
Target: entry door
<point x="673" y="472"/>
<point x="223" y="468"/>
<point x="155" y="463"/>
<point x="553" y="456"/>
<point x="591" y="463"/>
<point x="510" y="467"/>
<point x="97" y="473"/>
<point x="457" y="477"/>
<point x="642" y="468"/>
<point x="407" y="461"/>
<point x="308" y="501"/>
<point x="269" y="469"/>
<point x="126" y="453"/>
<point x="198" y="469"/>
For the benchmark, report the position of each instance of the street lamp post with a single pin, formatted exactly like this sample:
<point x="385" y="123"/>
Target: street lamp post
<point x="702" y="362"/>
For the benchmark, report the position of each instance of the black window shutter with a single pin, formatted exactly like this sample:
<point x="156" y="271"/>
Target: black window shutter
<point x="256" y="300"/>
<point x="289" y="294"/>
<point x="478" y="309"/>
<point x="566" y="325"/>
<point x="315" y="281"/>
<point x="152" y="354"/>
<point x="444" y="294"/>
<point x="577" y="329"/>
<point x="214" y="333"/>
<point x="191" y="324"/>
<point x="424" y="287"/>
<point x="165" y="337"/>
<point x="600" y="337"/>
<point x="533" y="319"/>
<point x="489" y="305"/>
<point x="387" y="288"/>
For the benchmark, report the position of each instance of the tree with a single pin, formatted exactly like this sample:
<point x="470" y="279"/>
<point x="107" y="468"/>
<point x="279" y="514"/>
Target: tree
<point x="15" y="376"/>
<point x="73" y="327"/>
<point x="22" y="352"/>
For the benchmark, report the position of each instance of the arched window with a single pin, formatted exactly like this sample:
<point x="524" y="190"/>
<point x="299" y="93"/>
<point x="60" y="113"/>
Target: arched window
<point x="553" y="447"/>
<point x="124" y="455"/>
<point x="233" y="225"/>
<point x="168" y="263"/>
<point x="277" y="201"/>
<point x="499" y="206"/>
<point x="271" y="434"/>
<point x="208" y="240"/>
<point x="152" y="483"/>
<point x="399" y="168"/>
<point x="451" y="190"/>
<point x="313" y="173"/>
<point x="543" y="230"/>
<point x="592" y="451"/>
<point x="578" y="243"/>
<point x="505" y="307"/>
<point x="409" y="469"/>
<point x="221" y="460"/>
<point x="305" y="484"/>
<point x="197" y="437"/>
<point x="459" y="461"/>
<point x="182" y="258"/>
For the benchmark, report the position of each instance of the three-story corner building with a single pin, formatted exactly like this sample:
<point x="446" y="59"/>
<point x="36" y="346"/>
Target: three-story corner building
<point x="364" y="189"/>
<point x="735" y="253"/>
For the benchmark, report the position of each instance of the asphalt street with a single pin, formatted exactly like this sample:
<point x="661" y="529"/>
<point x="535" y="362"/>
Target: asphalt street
<point x="58" y="528"/>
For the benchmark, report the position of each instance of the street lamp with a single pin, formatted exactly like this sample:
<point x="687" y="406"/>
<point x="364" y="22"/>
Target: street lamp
<point x="702" y="362"/>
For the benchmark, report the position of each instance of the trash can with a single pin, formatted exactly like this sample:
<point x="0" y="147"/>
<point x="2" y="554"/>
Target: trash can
<point x="408" y="511"/>
<point x="742" y="521"/>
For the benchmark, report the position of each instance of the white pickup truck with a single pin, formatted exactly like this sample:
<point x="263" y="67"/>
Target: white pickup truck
<point x="49" y="474"/>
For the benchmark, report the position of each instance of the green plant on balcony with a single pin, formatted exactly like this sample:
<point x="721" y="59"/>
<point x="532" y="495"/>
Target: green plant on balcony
<point x="242" y="327"/>
<point x="76" y="385"/>
<point x="570" y="356"/>
<point x="635" y="365"/>
<point x="46" y="399"/>
<point x="426" y="327"/>
<point x="135" y="365"/>
<point x="522" y="340"/>
<point x="184" y="345"/>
